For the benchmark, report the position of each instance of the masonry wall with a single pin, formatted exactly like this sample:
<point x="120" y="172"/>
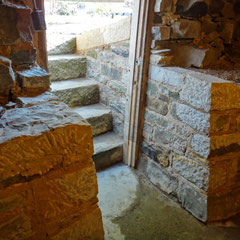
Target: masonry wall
<point x="190" y="117"/>
<point x="110" y="67"/>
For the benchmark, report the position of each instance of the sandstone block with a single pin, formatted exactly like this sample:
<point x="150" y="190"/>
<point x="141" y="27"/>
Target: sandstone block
<point x="7" y="79"/>
<point x="191" y="9"/>
<point x="65" y="48"/>
<point x="186" y="29"/>
<point x="34" y="81"/>
<point x="161" y="32"/>
<point x="112" y="33"/>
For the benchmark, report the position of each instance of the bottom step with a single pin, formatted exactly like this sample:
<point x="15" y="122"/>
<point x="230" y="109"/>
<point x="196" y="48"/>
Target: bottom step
<point x="108" y="150"/>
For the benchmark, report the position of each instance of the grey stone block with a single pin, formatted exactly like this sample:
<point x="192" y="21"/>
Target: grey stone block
<point x="159" y="176"/>
<point x="168" y="138"/>
<point x="194" y="118"/>
<point x="110" y="72"/>
<point x="120" y="50"/>
<point x="34" y="79"/>
<point x="64" y="67"/>
<point x="117" y="87"/>
<point x="157" y="106"/>
<point x="192" y="171"/>
<point x="172" y="76"/>
<point x="201" y="145"/>
<point x="67" y="47"/>
<point x="117" y="106"/>
<point x="77" y="92"/>
<point x="197" y="92"/>
<point x="194" y="201"/>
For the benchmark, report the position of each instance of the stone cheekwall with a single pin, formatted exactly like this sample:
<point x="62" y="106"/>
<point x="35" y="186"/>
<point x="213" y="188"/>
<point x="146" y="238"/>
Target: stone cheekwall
<point x="190" y="147"/>
<point x="48" y="182"/>
<point x="110" y="67"/>
<point x="199" y="33"/>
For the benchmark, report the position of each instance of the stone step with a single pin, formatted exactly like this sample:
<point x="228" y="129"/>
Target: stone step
<point x="108" y="150"/>
<point x="68" y="66"/>
<point x="76" y="92"/>
<point x="98" y="115"/>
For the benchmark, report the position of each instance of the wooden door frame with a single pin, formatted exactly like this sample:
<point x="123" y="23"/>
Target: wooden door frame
<point x="139" y="58"/>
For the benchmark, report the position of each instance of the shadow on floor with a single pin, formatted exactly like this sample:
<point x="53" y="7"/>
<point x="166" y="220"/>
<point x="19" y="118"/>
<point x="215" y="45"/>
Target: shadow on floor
<point x="133" y="209"/>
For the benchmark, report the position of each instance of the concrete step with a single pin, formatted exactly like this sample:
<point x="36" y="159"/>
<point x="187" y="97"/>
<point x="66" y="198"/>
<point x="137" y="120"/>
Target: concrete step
<point x="108" y="150"/>
<point x="76" y="92"/>
<point x="99" y="116"/>
<point x="68" y="66"/>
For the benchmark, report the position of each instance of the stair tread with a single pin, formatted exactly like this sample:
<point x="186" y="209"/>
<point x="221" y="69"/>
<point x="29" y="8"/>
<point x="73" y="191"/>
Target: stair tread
<point x="64" y="57"/>
<point x="72" y="83"/>
<point x="105" y="142"/>
<point x="94" y="110"/>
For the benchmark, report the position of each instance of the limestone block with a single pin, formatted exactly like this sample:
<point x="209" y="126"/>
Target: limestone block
<point x="120" y="50"/>
<point x="192" y="117"/>
<point x="194" y="201"/>
<point x="161" y="32"/>
<point x="171" y="76"/>
<point x="192" y="171"/>
<point x="111" y="72"/>
<point x="201" y="145"/>
<point x="7" y="79"/>
<point x="163" y="6"/>
<point x="185" y="28"/>
<point x="176" y="143"/>
<point x="34" y="81"/>
<point x="159" y="176"/>
<point x="113" y="33"/>
<point x="117" y="86"/>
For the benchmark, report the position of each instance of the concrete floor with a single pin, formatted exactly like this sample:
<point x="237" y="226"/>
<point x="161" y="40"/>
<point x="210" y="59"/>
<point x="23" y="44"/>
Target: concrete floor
<point x="133" y="209"/>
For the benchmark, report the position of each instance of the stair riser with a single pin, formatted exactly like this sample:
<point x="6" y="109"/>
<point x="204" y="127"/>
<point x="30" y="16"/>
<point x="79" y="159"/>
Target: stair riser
<point x="108" y="158"/>
<point x="101" y="124"/>
<point x="67" y="69"/>
<point x="81" y="96"/>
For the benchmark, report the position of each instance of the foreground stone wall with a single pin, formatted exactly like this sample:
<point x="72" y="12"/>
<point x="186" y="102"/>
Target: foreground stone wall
<point x="20" y="74"/>
<point x="110" y="67"/>
<point x="48" y="182"/>
<point x="199" y="33"/>
<point x="190" y="147"/>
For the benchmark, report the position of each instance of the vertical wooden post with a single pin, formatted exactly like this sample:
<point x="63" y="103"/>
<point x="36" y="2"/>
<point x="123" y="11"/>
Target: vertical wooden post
<point x="140" y="44"/>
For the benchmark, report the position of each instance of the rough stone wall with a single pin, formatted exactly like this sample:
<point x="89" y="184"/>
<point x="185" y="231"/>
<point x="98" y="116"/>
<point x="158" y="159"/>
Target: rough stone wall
<point x="21" y="76"/>
<point x="199" y="33"/>
<point x="48" y="182"/>
<point x="110" y="67"/>
<point x="190" y="146"/>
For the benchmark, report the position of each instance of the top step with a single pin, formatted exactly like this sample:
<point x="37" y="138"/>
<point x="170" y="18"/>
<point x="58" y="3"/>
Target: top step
<point x="68" y="66"/>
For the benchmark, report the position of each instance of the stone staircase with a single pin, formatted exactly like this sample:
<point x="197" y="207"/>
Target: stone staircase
<point x="69" y="83"/>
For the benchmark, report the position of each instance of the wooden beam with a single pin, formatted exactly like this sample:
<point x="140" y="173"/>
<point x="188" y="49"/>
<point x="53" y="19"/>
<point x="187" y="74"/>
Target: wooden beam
<point x="140" y="45"/>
